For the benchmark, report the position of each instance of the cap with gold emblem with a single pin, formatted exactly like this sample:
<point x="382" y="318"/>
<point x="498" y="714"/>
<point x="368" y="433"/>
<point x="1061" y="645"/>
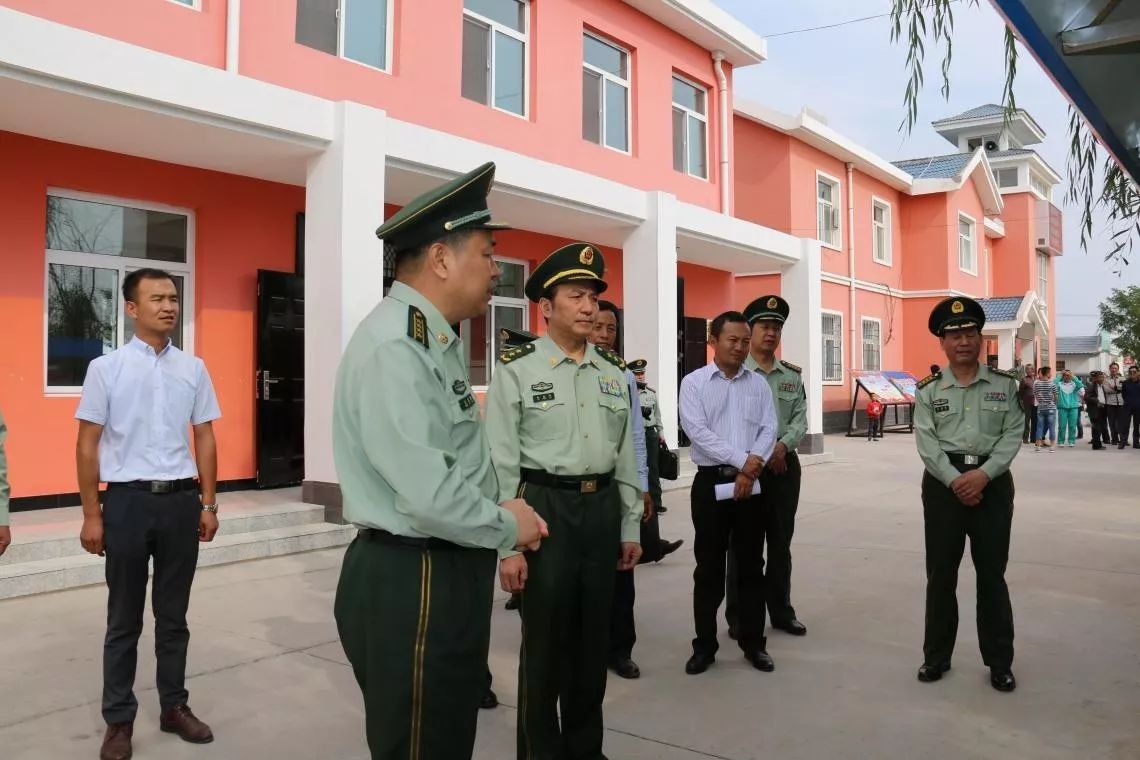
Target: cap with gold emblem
<point x="460" y="204"/>
<point x="511" y="338"/>
<point x="767" y="308"/>
<point x="956" y="313"/>
<point x="637" y="366"/>
<point x="570" y="263"/>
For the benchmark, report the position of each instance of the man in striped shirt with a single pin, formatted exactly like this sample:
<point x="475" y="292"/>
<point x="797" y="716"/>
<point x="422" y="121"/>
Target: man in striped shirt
<point x="728" y="412"/>
<point x="1045" y="394"/>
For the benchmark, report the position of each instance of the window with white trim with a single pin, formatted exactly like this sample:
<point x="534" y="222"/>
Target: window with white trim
<point x="690" y="128"/>
<point x="1043" y="277"/>
<point x="881" y="231"/>
<point x="872" y="345"/>
<point x="1040" y="185"/>
<point x="1006" y="177"/>
<point x="495" y="35"/>
<point x="509" y="308"/>
<point x="91" y="246"/>
<point x="359" y="30"/>
<point x="827" y="210"/>
<point x="967" y="244"/>
<point x="832" y="327"/>
<point x="195" y="4"/>
<point x="605" y="93"/>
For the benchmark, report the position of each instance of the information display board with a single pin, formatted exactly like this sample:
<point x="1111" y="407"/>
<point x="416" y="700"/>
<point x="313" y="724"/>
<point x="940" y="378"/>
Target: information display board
<point x="905" y="382"/>
<point x="895" y="390"/>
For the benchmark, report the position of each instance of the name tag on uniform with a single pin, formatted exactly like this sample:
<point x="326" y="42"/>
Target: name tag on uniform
<point x="467" y="402"/>
<point x="610" y="386"/>
<point x="995" y="396"/>
<point x="788" y="387"/>
<point x="543" y="397"/>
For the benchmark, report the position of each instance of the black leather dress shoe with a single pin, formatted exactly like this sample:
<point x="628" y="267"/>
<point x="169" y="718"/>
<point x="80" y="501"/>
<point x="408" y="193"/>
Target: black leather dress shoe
<point x="489" y="701"/>
<point x="662" y="510"/>
<point x="668" y="547"/>
<point x="1002" y="680"/>
<point x="626" y="668"/>
<point x="514" y="602"/>
<point x="931" y="673"/>
<point x="760" y="660"/>
<point x="732" y="632"/>
<point x="699" y="663"/>
<point x="793" y="626"/>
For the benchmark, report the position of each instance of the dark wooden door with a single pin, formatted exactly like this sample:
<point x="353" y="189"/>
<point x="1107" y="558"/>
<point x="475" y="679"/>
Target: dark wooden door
<point x="280" y="379"/>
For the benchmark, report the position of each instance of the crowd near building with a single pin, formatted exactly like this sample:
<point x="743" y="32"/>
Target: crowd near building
<point x="252" y="148"/>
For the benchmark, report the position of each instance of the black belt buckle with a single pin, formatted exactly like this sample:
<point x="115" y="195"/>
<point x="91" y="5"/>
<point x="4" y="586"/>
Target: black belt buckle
<point x="162" y="486"/>
<point x="588" y="486"/>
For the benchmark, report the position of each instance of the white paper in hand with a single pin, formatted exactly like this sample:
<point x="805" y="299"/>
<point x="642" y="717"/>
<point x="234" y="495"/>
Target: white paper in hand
<point x="724" y="491"/>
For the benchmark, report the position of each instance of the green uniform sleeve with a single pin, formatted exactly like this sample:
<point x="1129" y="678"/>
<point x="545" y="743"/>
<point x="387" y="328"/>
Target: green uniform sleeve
<point x="797" y="422"/>
<point x="935" y="459"/>
<point x="411" y="449"/>
<point x="625" y="472"/>
<point x="504" y="411"/>
<point x="1010" y="442"/>
<point x="5" y="490"/>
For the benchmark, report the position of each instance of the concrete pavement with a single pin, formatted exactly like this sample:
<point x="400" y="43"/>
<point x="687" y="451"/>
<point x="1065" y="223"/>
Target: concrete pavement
<point x="268" y="674"/>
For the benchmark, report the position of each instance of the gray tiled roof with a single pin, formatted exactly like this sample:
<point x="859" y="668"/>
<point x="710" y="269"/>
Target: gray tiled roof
<point x="1001" y="309"/>
<point x="1081" y="344"/>
<point x="981" y="112"/>
<point x="935" y="167"/>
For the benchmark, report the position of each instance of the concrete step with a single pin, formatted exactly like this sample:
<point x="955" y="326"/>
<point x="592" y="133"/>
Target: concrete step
<point x="72" y="570"/>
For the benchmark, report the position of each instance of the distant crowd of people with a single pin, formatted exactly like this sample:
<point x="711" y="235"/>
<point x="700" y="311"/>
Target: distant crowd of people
<point x="1053" y="407"/>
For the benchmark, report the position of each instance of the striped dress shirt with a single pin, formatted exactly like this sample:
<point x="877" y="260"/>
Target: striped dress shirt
<point x="727" y="419"/>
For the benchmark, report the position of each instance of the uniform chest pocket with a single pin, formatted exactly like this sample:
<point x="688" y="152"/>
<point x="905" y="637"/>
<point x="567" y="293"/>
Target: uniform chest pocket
<point x="992" y="418"/>
<point x="614" y="413"/>
<point x="787" y="397"/>
<point x="546" y="420"/>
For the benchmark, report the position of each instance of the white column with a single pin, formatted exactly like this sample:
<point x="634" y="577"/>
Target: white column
<point x="1007" y="343"/>
<point x="649" y="270"/>
<point x="802" y="341"/>
<point x="344" y="265"/>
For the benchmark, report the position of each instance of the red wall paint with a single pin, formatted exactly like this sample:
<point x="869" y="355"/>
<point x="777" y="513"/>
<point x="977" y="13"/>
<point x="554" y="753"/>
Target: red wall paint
<point x="708" y="292"/>
<point x="763" y="174"/>
<point x="241" y="225"/>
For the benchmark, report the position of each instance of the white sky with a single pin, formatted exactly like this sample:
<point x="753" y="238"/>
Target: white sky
<point x="855" y="77"/>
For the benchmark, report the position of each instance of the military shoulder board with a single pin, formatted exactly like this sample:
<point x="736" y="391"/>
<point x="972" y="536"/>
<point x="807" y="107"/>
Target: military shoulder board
<point x="516" y="353"/>
<point x="417" y="326"/>
<point x="1008" y="373"/>
<point x="792" y="367"/>
<point x="928" y="380"/>
<point x="612" y="358"/>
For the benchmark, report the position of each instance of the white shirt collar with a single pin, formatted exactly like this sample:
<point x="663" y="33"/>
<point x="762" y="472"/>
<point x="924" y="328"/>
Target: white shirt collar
<point x="146" y="348"/>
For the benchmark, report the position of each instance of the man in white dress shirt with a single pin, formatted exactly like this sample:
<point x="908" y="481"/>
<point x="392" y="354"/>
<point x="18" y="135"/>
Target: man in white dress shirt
<point x="729" y="415"/>
<point x="138" y="406"/>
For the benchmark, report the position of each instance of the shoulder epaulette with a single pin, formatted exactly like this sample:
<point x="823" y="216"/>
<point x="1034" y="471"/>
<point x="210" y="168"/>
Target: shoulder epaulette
<point x="611" y="357"/>
<point x="516" y="353"/>
<point x="1007" y="372"/>
<point x="928" y="380"/>
<point x="792" y="367"/>
<point x="417" y="326"/>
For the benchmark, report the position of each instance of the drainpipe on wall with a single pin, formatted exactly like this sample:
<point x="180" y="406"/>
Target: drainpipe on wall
<point x="851" y="257"/>
<point x="233" y="32"/>
<point x="722" y="95"/>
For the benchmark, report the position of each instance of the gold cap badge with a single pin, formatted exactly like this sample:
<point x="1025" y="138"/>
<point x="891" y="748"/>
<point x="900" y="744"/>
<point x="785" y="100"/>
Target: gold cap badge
<point x="586" y="256"/>
<point x="957" y="307"/>
<point x="771" y="303"/>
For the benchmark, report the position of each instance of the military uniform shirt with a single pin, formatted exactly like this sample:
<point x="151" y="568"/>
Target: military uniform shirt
<point x="787" y="384"/>
<point x="547" y="412"/>
<point x="984" y="418"/>
<point x="649" y="401"/>
<point x="410" y="450"/>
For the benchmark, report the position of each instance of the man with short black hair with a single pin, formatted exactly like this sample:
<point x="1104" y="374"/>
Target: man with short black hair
<point x="138" y="406"/>
<point x="1130" y="391"/>
<point x="1114" y="404"/>
<point x="728" y="412"/>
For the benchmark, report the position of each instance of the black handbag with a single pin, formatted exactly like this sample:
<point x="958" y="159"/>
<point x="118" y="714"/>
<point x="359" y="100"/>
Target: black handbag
<point x="668" y="463"/>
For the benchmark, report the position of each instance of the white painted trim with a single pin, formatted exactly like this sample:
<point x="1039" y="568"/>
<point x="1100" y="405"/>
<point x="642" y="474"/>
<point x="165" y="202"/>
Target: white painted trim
<point x="233" y="36"/>
<point x="994" y="227"/>
<point x="627" y="83"/>
<point x="193" y="5"/>
<point x="704" y="117"/>
<point x="988" y="121"/>
<point x="890" y="223"/>
<point x="1032" y="158"/>
<point x="706" y="24"/>
<point x="862" y="340"/>
<point x="836" y="205"/>
<point x="974" y="243"/>
<point x="523" y="37"/>
<point x="886" y="290"/>
<point x="123" y="265"/>
<point x="842" y="369"/>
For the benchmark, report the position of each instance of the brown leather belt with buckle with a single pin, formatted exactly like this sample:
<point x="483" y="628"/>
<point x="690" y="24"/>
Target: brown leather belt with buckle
<point x="158" y="486"/>
<point x="579" y="483"/>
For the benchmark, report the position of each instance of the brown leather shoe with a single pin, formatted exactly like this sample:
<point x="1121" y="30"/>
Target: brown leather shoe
<point x="180" y="720"/>
<point x="117" y="742"/>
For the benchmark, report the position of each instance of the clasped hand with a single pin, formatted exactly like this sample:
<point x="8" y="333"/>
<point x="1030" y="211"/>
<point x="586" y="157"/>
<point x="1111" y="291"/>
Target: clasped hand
<point x="968" y="487"/>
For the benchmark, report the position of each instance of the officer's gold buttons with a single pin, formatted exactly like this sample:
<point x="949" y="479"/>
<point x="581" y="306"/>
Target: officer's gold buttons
<point x="544" y="404"/>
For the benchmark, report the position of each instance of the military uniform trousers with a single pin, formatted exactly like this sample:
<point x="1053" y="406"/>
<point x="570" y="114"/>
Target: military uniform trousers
<point x="719" y="525"/>
<point x="948" y="523"/>
<point x="414" y="617"/>
<point x="781" y="493"/>
<point x="139" y="525"/>
<point x="566" y="622"/>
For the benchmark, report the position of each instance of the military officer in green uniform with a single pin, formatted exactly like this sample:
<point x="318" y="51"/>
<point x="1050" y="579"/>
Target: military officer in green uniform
<point x="780" y="479"/>
<point x="559" y="425"/>
<point x="967" y="424"/>
<point x="413" y="603"/>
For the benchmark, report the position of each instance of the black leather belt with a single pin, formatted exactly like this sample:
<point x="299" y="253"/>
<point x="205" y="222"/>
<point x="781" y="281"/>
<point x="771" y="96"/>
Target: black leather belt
<point x="391" y="539"/>
<point x="724" y="471"/>
<point x="579" y="483"/>
<point x="966" y="460"/>
<point x="158" y="486"/>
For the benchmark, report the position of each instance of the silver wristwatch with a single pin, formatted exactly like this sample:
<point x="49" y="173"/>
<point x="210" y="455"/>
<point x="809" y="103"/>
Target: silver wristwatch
<point x="210" y="507"/>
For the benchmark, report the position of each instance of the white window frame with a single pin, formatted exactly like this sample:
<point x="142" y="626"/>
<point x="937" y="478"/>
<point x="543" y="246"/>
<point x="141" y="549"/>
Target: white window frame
<point x="964" y="217"/>
<point x="836" y="205"/>
<point x="489" y="348"/>
<point x="1042" y="192"/>
<point x="839" y="345"/>
<point x="863" y="343"/>
<point x="626" y="83"/>
<point x="123" y="265"/>
<point x="699" y="117"/>
<point x="1043" y="277"/>
<point x="342" y="22"/>
<point x="888" y="223"/>
<point x="523" y="37"/>
<point x="194" y="5"/>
